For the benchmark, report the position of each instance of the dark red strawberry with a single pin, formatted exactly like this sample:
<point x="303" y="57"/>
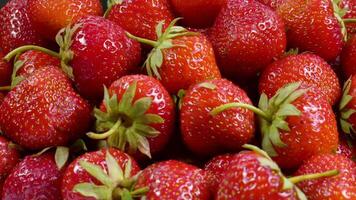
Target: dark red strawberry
<point x="137" y="113"/>
<point x="246" y="37"/>
<point x="140" y="17"/>
<point x="348" y="57"/>
<point x="272" y="3"/>
<point x="49" y="16"/>
<point x="174" y="180"/>
<point x="306" y="68"/>
<point x="2" y="96"/>
<point x="206" y="128"/>
<point x="104" y="174"/>
<point x="340" y="187"/>
<point x="44" y="111"/>
<point x="347" y="107"/>
<point x="35" y="177"/>
<point x="5" y="71"/>
<point x="350" y="7"/>
<point x="346" y="149"/>
<point x="198" y="13"/>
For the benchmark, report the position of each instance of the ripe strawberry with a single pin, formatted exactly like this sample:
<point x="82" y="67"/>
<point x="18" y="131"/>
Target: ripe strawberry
<point x="137" y="113"/>
<point x="340" y="187"/>
<point x="204" y="129"/>
<point x="346" y="149"/>
<point x="134" y="17"/>
<point x="49" y="16"/>
<point x="35" y="177"/>
<point x="306" y="68"/>
<point x="350" y="7"/>
<point x="272" y="3"/>
<point x="5" y="71"/>
<point x="173" y="180"/>
<point x="44" y="111"/>
<point x="347" y="107"/>
<point x="348" y="57"/>
<point x="246" y="37"/>
<point x="2" y="96"/>
<point x="198" y="13"/>
<point x="104" y="174"/>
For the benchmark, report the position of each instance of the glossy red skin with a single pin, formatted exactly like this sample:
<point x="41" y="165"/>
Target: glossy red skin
<point x="44" y="111"/>
<point x="174" y="180"/>
<point x="5" y="71"/>
<point x="35" y="177"/>
<point x="140" y="17"/>
<point x="245" y="178"/>
<point x="102" y="54"/>
<point x="188" y="65"/>
<point x="352" y="103"/>
<point x="340" y="187"/>
<point x="162" y="105"/>
<point x="198" y="13"/>
<point x="306" y="68"/>
<point x="246" y="37"/>
<point x="16" y="28"/>
<point x="324" y="39"/>
<point x="2" y="96"/>
<point x="350" y="5"/>
<point x="346" y="150"/>
<point x="348" y="57"/>
<point x="207" y="135"/>
<point x="75" y="174"/>
<point x="272" y="3"/>
<point x="49" y="16"/>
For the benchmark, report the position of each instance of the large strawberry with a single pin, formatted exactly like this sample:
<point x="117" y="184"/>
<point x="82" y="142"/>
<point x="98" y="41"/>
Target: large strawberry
<point x="180" y="58"/>
<point x="246" y="37"/>
<point x="5" y="71"/>
<point x="306" y="68"/>
<point x="207" y="133"/>
<point x="348" y="57"/>
<point x="137" y="113"/>
<point x="44" y="110"/>
<point x="347" y="107"/>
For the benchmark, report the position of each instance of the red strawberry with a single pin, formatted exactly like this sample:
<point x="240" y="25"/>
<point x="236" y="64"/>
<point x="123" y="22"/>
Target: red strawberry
<point x="348" y="57"/>
<point x="44" y="111"/>
<point x="198" y="13"/>
<point x="207" y="131"/>
<point x="137" y="113"/>
<point x="104" y="174"/>
<point x="2" y="96"/>
<point x="306" y="68"/>
<point x="140" y="17"/>
<point x="246" y="37"/>
<point x="49" y="16"/>
<point x="35" y="177"/>
<point x="16" y="28"/>
<point x="350" y="7"/>
<point x="5" y="71"/>
<point x="346" y="149"/>
<point x="347" y="107"/>
<point x="272" y="3"/>
<point x="340" y="187"/>
<point x="174" y="180"/>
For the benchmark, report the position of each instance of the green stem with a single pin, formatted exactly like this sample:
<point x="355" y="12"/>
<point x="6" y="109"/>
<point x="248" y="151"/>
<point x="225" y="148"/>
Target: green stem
<point x="101" y="136"/>
<point x="350" y="20"/>
<point x="140" y="191"/>
<point x="143" y="40"/>
<point x="305" y="177"/>
<point x="7" y="88"/>
<point x="22" y="49"/>
<point x="227" y="106"/>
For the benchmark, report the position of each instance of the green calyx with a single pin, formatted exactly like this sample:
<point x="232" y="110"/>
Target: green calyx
<point x="126" y="122"/>
<point x="61" y="155"/>
<point x="116" y="184"/>
<point x="165" y="41"/>
<point x="339" y="14"/>
<point x="110" y="4"/>
<point x="15" y="79"/>
<point x="345" y="113"/>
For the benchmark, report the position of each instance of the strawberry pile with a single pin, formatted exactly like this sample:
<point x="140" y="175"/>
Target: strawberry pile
<point x="178" y="99"/>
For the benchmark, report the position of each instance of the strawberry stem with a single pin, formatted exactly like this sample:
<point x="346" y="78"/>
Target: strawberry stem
<point x="6" y="88"/>
<point x="142" y="40"/>
<point x="305" y="177"/>
<point x="227" y="106"/>
<point x="25" y="48"/>
<point x="348" y="21"/>
<point x="106" y="134"/>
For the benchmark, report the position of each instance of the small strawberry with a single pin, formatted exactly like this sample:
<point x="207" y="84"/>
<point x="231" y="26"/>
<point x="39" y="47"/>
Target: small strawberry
<point x="174" y="180"/>
<point x="272" y="3"/>
<point x="198" y="13"/>
<point x="137" y="113"/>
<point x="348" y="57"/>
<point x="44" y="111"/>
<point x="350" y="7"/>
<point x="180" y="58"/>
<point x="246" y="37"/>
<point x="306" y="68"/>
<point x="206" y="132"/>
<point x="347" y="107"/>
<point x="106" y="174"/>
<point x="5" y="71"/>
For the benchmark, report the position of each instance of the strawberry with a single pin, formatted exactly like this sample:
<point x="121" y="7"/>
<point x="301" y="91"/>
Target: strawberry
<point x="340" y="187"/>
<point x="180" y="58"/>
<point x="137" y="113"/>
<point x="134" y="17"/>
<point x="348" y="57"/>
<point x="208" y="11"/>
<point x="49" y="16"/>
<point x="44" y="111"/>
<point x="16" y="28"/>
<point x="2" y="96"/>
<point x="174" y="180"/>
<point x="246" y="37"/>
<point x="347" y="107"/>
<point x="346" y="149"/>
<point x="35" y="177"/>
<point x="306" y="68"/>
<point x="206" y="132"/>
<point x="104" y="174"/>
<point x="350" y="7"/>
<point x="5" y="71"/>
<point x="272" y="3"/>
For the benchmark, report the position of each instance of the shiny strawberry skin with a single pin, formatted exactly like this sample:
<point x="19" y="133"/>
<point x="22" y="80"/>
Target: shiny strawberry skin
<point x="44" y="111"/>
<point x="205" y="134"/>
<point x="306" y="68"/>
<point x="16" y="28"/>
<point x="75" y="174"/>
<point x="339" y="187"/>
<point x="350" y="6"/>
<point x="102" y="54"/>
<point x="346" y="150"/>
<point x="348" y="57"/>
<point x="2" y="96"/>
<point x="272" y="3"/>
<point x="323" y="37"/>
<point x="35" y="177"/>
<point x="246" y="37"/>
<point x="5" y="71"/>
<point x="134" y="17"/>
<point x="174" y="180"/>
<point x="198" y="13"/>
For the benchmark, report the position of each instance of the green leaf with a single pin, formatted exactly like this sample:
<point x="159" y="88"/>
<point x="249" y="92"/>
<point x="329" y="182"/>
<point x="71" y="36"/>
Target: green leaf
<point x="125" y="195"/>
<point x="166" y="44"/>
<point x="114" y="170"/>
<point x="61" y="156"/>
<point x="268" y="163"/>
<point x="99" y="192"/>
<point x="346" y="98"/>
<point x="347" y="113"/>
<point x="287" y="184"/>
<point x="128" y="168"/>
<point x="159" y="28"/>
<point x="127" y="97"/>
<point x="300" y="194"/>
<point x="146" y="130"/>
<point x="295" y="95"/>
<point x="346" y="126"/>
<point x="257" y="150"/>
<point x="42" y="151"/>
<point x="156" y="58"/>
<point x="140" y="107"/>
<point x="208" y="85"/>
<point x="97" y="172"/>
<point x="132" y="140"/>
<point x="144" y="146"/>
<point x="268" y="147"/>
<point x="281" y="124"/>
<point x="274" y="136"/>
<point x="283" y="93"/>
<point x="287" y="110"/>
<point x="263" y="103"/>
<point x="150" y="119"/>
